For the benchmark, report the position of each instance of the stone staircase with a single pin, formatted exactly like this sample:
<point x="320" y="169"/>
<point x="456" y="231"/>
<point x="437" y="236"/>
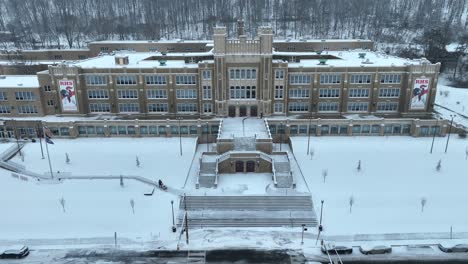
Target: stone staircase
<point x="244" y="143"/>
<point x="283" y="174"/>
<point x="248" y="211"/>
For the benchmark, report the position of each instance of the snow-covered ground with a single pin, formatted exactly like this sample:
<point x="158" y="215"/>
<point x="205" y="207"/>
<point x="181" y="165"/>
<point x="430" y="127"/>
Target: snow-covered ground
<point x="396" y="174"/>
<point x="452" y="101"/>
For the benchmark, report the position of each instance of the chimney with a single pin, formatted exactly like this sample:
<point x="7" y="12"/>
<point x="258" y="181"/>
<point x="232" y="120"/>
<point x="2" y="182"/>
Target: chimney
<point x="121" y="59"/>
<point x="240" y="28"/>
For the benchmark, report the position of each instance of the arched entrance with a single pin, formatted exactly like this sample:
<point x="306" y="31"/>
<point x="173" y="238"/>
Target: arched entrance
<point x="250" y="166"/>
<point x="254" y="110"/>
<point x="232" y="111"/>
<point x="239" y="166"/>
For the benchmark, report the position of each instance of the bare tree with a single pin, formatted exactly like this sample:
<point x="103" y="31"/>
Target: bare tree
<point x="67" y="158"/>
<point x="439" y="165"/>
<point x="324" y="174"/>
<point x="311" y="153"/>
<point x="137" y="162"/>
<point x="132" y="204"/>
<point x="62" y="203"/>
<point x="351" y="203"/>
<point x="466" y="153"/>
<point x="359" y="166"/>
<point x="423" y="203"/>
<point x="121" y="181"/>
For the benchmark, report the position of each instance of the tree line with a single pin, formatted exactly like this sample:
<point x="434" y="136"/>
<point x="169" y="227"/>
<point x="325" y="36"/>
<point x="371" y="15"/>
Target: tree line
<point x="65" y="23"/>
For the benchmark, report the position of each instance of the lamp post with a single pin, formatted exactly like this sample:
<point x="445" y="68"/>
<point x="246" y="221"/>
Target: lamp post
<point x="433" y="136"/>
<point x="243" y="126"/>
<point x="17" y="137"/>
<point x="450" y="130"/>
<point x="207" y="130"/>
<point x="321" y="213"/>
<point x="281" y="134"/>
<point x="174" y="228"/>
<point x="303" y="229"/>
<point x="308" y="134"/>
<point x="180" y="135"/>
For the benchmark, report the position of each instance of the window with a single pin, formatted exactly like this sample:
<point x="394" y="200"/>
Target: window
<point x="65" y="131"/>
<point x="358" y="92"/>
<point x="96" y="80"/>
<point x="186" y="94"/>
<point x="50" y="102"/>
<point x="81" y="57"/>
<point x="156" y="94"/>
<point x="330" y="78"/>
<point x="98" y="94"/>
<point x="298" y="107"/>
<point x="387" y="106"/>
<point x="47" y="88"/>
<point x="358" y="107"/>
<point x="155" y="80"/>
<point x="104" y="49"/>
<point x="243" y="74"/>
<point x="299" y="93"/>
<point x="207" y="92"/>
<point x="243" y="92"/>
<point x="3" y="96"/>
<point x="25" y="96"/>
<point x="278" y="107"/>
<point x="328" y="107"/>
<point x="186" y="107"/>
<point x="127" y="94"/>
<point x="58" y="57"/>
<point x="279" y="74"/>
<point x="389" y="92"/>
<point x="186" y="79"/>
<point x="129" y="108"/>
<point x="5" y="109"/>
<point x="126" y="80"/>
<point x="99" y="108"/>
<point x="390" y="78"/>
<point x="299" y="79"/>
<point x="279" y="92"/>
<point x="360" y="78"/>
<point x="27" y="109"/>
<point x="207" y="108"/>
<point x="206" y="75"/>
<point x="329" y="92"/>
<point x="158" y="108"/>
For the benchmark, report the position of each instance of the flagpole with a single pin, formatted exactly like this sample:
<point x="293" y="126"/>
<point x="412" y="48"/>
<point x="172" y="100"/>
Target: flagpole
<point x="40" y="139"/>
<point x="48" y="156"/>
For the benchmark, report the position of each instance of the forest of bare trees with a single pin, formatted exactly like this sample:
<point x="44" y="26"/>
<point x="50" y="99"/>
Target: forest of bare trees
<point x="65" y="23"/>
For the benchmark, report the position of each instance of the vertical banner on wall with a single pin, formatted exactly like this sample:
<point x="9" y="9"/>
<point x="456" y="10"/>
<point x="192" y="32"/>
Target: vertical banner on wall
<point x="68" y="96"/>
<point x="419" y="94"/>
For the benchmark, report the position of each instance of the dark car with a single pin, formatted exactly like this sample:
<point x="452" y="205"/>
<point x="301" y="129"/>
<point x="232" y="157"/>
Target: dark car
<point x="333" y="249"/>
<point x="449" y="247"/>
<point x="378" y="249"/>
<point x="14" y="252"/>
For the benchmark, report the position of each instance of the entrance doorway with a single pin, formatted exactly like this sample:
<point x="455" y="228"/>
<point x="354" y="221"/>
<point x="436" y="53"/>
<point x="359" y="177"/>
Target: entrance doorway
<point x="253" y="110"/>
<point x="232" y="111"/>
<point x="242" y="110"/>
<point x="250" y="166"/>
<point x="239" y="166"/>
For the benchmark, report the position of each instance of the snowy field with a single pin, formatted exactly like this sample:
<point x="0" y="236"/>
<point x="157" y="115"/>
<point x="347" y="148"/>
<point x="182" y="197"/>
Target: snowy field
<point x="96" y="208"/>
<point x="397" y="173"/>
<point x="453" y="101"/>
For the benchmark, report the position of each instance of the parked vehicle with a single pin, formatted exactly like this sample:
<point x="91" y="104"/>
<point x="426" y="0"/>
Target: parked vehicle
<point x="451" y="247"/>
<point x="14" y="252"/>
<point x="375" y="249"/>
<point x="333" y="249"/>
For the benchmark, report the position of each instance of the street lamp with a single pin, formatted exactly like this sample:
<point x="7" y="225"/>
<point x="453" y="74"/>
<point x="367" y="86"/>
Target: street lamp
<point x="433" y="136"/>
<point x="207" y="130"/>
<point x="450" y="130"/>
<point x="180" y="135"/>
<point x="243" y="126"/>
<point x="174" y="228"/>
<point x="308" y="134"/>
<point x="321" y="213"/>
<point x="281" y="134"/>
<point x="303" y="229"/>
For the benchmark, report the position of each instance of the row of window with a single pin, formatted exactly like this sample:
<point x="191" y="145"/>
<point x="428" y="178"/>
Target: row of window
<point x="335" y="92"/>
<point x="334" y="107"/>
<point x="151" y="94"/>
<point x="243" y="74"/>
<point x="149" y="80"/>
<point x="22" y="109"/>
<point x="152" y="108"/>
<point x="388" y="129"/>
<point x="295" y="78"/>
<point x="144" y="130"/>
<point x="242" y="92"/>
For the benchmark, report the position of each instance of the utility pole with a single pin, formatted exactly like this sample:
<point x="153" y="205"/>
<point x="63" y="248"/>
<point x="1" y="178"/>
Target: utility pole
<point x="207" y="131"/>
<point x="180" y="136"/>
<point x="17" y="137"/>
<point x="281" y="134"/>
<point x="308" y="134"/>
<point x="39" y="135"/>
<point x="174" y="229"/>
<point x="450" y="130"/>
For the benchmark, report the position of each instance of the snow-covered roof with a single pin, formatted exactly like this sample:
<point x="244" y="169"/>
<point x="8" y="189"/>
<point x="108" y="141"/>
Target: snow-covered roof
<point x="149" y="41"/>
<point x="139" y="60"/>
<point x="320" y="40"/>
<point x="352" y="59"/>
<point x="19" y="81"/>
